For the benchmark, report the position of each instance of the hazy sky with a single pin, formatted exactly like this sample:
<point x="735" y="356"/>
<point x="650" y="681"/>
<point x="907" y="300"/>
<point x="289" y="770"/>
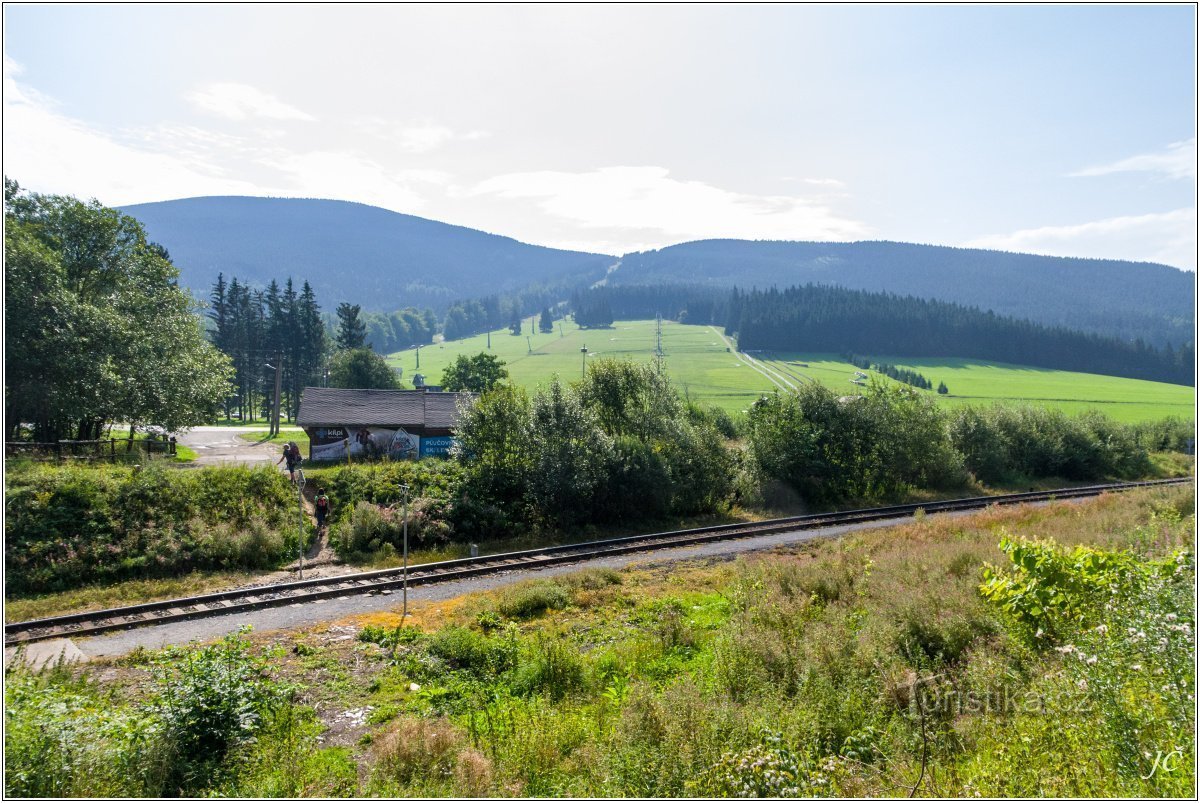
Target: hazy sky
<point x="1061" y="130"/>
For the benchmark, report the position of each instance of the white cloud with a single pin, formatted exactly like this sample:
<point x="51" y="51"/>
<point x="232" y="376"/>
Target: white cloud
<point x="52" y="153"/>
<point x="242" y="102"/>
<point x="647" y="199"/>
<point x="1177" y="161"/>
<point x="1167" y="237"/>
<point x="825" y="182"/>
<point x="416" y="138"/>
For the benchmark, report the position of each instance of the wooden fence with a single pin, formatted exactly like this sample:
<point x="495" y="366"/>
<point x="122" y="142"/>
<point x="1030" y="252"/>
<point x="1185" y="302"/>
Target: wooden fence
<point x="112" y="449"/>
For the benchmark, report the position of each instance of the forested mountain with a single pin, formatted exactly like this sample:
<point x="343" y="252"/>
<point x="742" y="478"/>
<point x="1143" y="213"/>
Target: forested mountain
<point x="1123" y="299"/>
<point x="350" y="252"/>
<point x="816" y="318"/>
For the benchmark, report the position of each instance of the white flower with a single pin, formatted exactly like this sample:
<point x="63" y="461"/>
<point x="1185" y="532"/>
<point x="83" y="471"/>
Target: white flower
<point x="1136" y="667"/>
<point x="1102" y="629"/>
<point x="1092" y="661"/>
<point x="1171" y="617"/>
<point x="1065" y="650"/>
<point x="1038" y="634"/>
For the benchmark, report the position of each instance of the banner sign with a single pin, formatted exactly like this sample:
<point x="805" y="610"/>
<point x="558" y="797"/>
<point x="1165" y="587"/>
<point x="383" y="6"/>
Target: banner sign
<point x="395" y="444"/>
<point x="436" y="446"/>
<point x="329" y="451"/>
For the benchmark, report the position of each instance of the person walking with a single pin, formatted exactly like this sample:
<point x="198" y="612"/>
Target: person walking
<point x="321" y="503"/>
<point x="291" y="453"/>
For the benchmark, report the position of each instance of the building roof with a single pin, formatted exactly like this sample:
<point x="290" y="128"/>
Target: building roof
<point x="379" y="408"/>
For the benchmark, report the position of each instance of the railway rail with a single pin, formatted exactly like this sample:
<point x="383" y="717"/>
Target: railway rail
<point x="384" y="580"/>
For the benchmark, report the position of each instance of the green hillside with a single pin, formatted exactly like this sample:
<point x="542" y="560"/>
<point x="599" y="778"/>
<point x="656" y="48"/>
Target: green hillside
<point x="698" y="362"/>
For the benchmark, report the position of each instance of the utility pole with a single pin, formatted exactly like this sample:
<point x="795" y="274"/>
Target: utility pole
<point x="418" y="356"/>
<point x="583" y="364"/>
<point x="658" y="335"/>
<point x="529" y="344"/>
<point x="489" y="340"/>
<point x="560" y="331"/>
<point x="278" y="366"/>
<point x="404" y="614"/>
<point x="303" y="518"/>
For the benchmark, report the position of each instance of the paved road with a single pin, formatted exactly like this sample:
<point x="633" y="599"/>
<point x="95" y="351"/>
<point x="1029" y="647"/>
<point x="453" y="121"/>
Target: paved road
<point x="221" y="445"/>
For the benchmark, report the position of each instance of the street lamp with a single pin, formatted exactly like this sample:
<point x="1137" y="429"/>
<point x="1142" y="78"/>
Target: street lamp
<point x="404" y="613"/>
<point x="583" y="363"/>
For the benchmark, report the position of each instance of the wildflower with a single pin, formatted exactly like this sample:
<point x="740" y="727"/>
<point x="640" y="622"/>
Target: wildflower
<point x="1092" y="661"/>
<point x="1171" y="617"/>
<point x="1038" y="634"/>
<point x="1136" y="667"/>
<point x="1102" y="629"/>
<point x="1065" y="650"/>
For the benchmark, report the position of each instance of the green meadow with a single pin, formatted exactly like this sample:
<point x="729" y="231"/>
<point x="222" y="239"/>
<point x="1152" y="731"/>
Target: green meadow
<point x="698" y="361"/>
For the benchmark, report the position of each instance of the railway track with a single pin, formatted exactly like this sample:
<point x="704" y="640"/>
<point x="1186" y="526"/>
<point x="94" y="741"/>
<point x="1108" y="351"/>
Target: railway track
<point x="302" y="591"/>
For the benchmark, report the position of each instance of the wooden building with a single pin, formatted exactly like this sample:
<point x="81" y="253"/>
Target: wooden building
<point x="401" y="424"/>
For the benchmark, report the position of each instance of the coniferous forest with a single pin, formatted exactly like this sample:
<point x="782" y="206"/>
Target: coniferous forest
<point x="820" y="319"/>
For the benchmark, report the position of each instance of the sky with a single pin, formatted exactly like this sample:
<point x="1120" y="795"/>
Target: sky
<point x="1065" y="130"/>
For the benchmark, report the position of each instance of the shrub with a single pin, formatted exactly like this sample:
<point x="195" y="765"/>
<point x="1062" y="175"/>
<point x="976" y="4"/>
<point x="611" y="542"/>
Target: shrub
<point x="553" y="667"/>
<point x="417" y="749"/>
<point x="465" y="649"/>
<point x="525" y="601"/>
<point x="69" y="526"/>
<point x="63" y="737"/>
<point x="379" y="484"/>
<point x="871" y="447"/>
<point x="210" y="700"/>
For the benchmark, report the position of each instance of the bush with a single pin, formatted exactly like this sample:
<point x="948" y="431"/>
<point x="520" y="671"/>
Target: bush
<point x="1015" y="442"/>
<point x="466" y="650"/>
<point x="210" y="700"/>
<point x="553" y="667"/>
<point x="523" y="602"/>
<point x="379" y="483"/>
<point x="872" y="447"/>
<point x="1169" y="434"/>
<point x="69" y="526"/>
<point x="417" y="749"/>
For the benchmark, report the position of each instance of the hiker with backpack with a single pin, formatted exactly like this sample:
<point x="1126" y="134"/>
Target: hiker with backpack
<point x="291" y="453"/>
<point x="321" y="503"/>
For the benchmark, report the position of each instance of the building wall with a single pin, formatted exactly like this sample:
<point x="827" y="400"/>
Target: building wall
<point x="329" y="441"/>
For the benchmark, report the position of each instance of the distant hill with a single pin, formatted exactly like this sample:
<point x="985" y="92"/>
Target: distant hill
<point x="1123" y="299"/>
<point x="349" y="251"/>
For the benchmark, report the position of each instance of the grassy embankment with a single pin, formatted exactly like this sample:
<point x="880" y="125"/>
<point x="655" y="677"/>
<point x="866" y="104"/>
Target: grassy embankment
<point x="871" y="665"/>
<point x="696" y="359"/>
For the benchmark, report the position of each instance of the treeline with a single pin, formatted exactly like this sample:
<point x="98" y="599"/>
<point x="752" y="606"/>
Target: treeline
<point x="394" y="331"/>
<point x="255" y="327"/>
<point x="1111" y="298"/>
<point x="600" y="306"/>
<point x="488" y="313"/>
<point x="892" y="440"/>
<point x="585" y="452"/>
<point x="97" y="328"/>
<point x="904" y="375"/>
<point x="819" y="318"/>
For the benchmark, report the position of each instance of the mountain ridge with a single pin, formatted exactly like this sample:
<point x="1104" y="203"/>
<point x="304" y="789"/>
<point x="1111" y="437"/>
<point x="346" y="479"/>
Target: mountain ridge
<point x="383" y="260"/>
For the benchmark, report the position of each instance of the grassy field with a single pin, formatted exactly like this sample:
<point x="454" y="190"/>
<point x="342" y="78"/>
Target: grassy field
<point x="864" y="666"/>
<point x="695" y="356"/>
<point x="698" y="362"/>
